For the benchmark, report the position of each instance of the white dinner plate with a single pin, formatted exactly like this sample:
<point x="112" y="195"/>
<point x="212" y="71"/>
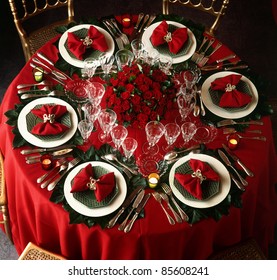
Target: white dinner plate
<point x="218" y="167"/>
<point x="77" y="62"/>
<point x="176" y="58"/>
<point x="40" y="142"/>
<point x="224" y="112"/>
<point x="100" y="211"/>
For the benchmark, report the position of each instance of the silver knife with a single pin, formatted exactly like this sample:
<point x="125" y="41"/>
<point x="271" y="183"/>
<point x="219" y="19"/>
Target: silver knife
<point x="135" y="31"/>
<point x="151" y="19"/>
<point x="228" y="163"/>
<point x="236" y="159"/>
<point x="55" y="153"/>
<point x="143" y="23"/>
<point x="113" y="32"/>
<point x="125" y="204"/>
<point x="138" y="210"/>
<point x="41" y="150"/>
<point x="134" y="206"/>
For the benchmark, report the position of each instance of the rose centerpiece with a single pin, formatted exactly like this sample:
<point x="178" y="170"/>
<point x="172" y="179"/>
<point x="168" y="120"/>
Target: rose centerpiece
<point x="139" y="94"/>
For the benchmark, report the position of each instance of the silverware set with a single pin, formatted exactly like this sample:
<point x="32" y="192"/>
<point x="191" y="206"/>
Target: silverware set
<point x="137" y="200"/>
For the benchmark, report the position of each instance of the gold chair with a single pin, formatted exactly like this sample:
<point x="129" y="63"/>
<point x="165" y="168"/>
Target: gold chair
<point x="215" y="8"/>
<point x="34" y="252"/>
<point x="35" y="21"/>
<point x="3" y="200"/>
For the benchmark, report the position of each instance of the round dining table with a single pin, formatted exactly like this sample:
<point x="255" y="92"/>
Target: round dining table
<point x="34" y="217"/>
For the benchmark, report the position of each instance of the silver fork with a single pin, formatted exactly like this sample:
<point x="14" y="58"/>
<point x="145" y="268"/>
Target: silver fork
<point x="71" y="164"/>
<point x="158" y="198"/>
<point x="168" y="191"/>
<point x="231" y="122"/>
<point x="166" y="199"/>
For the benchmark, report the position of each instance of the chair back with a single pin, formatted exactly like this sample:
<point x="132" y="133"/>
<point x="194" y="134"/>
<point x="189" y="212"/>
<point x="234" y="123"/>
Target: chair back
<point x="33" y="28"/>
<point x="215" y="8"/>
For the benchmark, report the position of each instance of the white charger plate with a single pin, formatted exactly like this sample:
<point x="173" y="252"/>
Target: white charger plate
<point x="33" y="139"/>
<point x="100" y="211"/>
<point x="218" y="167"/>
<point x="74" y="61"/>
<point x="176" y="59"/>
<point x="222" y="112"/>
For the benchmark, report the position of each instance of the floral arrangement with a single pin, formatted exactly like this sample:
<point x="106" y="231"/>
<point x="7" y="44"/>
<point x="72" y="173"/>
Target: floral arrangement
<point x="139" y="94"/>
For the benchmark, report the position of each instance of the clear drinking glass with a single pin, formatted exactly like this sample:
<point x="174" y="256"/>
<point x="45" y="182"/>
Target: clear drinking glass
<point x="106" y="119"/>
<point x="106" y="62"/>
<point x="118" y="134"/>
<point x="190" y="78"/>
<point x="185" y="107"/>
<point x="129" y="146"/>
<point x="90" y="65"/>
<point x="171" y="133"/>
<point x="137" y="47"/>
<point x="96" y="92"/>
<point x="154" y="131"/>
<point x="123" y="58"/>
<point x="91" y="112"/>
<point x="165" y="62"/>
<point x="85" y="127"/>
<point x="188" y="129"/>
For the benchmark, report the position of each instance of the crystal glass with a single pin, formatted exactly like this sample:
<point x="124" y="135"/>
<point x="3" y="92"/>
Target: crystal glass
<point x="85" y="127"/>
<point x="90" y="65"/>
<point x="137" y="47"/>
<point x="165" y="63"/>
<point x="188" y="130"/>
<point x="129" y="146"/>
<point x="106" y="119"/>
<point x="118" y="134"/>
<point x="171" y="133"/>
<point x="191" y="76"/>
<point x="96" y="92"/>
<point x="91" y="112"/>
<point x="185" y="107"/>
<point x="154" y="131"/>
<point x="123" y="58"/>
<point x="106" y="62"/>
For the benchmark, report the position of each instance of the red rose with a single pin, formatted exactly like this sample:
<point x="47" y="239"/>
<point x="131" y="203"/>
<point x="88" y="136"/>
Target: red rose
<point x="125" y="95"/>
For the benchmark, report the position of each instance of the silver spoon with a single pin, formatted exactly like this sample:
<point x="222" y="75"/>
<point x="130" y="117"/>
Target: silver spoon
<point x="112" y="157"/>
<point x="45" y="82"/>
<point x="173" y="154"/>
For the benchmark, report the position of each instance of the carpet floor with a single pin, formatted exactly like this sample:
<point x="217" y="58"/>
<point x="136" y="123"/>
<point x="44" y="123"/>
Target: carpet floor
<point x="249" y="29"/>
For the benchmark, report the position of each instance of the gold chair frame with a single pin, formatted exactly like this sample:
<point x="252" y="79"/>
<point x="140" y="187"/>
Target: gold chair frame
<point x="32" y="41"/>
<point x="211" y="9"/>
<point x="35" y="252"/>
<point x="3" y="200"/>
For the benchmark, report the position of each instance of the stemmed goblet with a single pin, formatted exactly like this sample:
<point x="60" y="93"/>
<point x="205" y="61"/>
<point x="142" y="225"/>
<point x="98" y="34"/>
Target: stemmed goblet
<point x="90" y="65"/>
<point x="91" y="112"/>
<point x="185" y="107"/>
<point x="165" y="62"/>
<point x="188" y="130"/>
<point x="85" y="127"/>
<point x="154" y="131"/>
<point x="96" y="91"/>
<point x="106" y="62"/>
<point x="129" y="145"/>
<point x="106" y="119"/>
<point x="118" y="134"/>
<point x="171" y="133"/>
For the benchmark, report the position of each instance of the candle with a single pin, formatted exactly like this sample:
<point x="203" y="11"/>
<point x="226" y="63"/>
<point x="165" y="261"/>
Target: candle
<point x="153" y="180"/>
<point x="126" y="22"/>
<point x="233" y="141"/>
<point x="46" y="161"/>
<point x="38" y="74"/>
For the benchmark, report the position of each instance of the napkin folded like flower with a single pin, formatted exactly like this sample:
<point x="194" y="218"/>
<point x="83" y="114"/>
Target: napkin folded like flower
<point x="231" y="97"/>
<point x="85" y="180"/>
<point x="175" y="40"/>
<point x="94" y="39"/>
<point x="192" y="182"/>
<point x="49" y="114"/>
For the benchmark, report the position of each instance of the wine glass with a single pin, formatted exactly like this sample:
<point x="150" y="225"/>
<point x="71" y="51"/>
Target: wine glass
<point x="106" y="119"/>
<point x="118" y="134"/>
<point x="106" y="62"/>
<point x="96" y="92"/>
<point x="124" y="58"/>
<point x="154" y="131"/>
<point x="191" y="76"/>
<point x="171" y="133"/>
<point x="165" y="62"/>
<point x="129" y="145"/>
<point x="91" y="112"/>
<point x="85" y="127"/>
<point x="137" y="47"/>
<point x="188" y="130"/>
<point x="90" y="65"/>
<point x="185" y="107"/>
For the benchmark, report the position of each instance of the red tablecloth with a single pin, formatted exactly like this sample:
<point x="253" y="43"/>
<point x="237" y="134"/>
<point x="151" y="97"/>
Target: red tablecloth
<point x="34" y="218"/>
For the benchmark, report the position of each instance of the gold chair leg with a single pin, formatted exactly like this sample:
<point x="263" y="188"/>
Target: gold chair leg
<point x="6" y="222"/>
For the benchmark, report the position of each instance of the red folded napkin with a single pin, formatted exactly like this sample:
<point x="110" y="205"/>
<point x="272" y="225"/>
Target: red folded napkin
<point x="50" y="115"/>
<point x="85" y="180"/>
<point x="94" y="39"/>
<point x="175" y="40"/>
<point x="231" y="97"/>
<point x="193" y="182"/>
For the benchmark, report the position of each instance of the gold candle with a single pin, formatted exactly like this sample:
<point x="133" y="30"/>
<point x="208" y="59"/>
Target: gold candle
<point x="153" y="180"/>
<point x="38" y="74"/>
